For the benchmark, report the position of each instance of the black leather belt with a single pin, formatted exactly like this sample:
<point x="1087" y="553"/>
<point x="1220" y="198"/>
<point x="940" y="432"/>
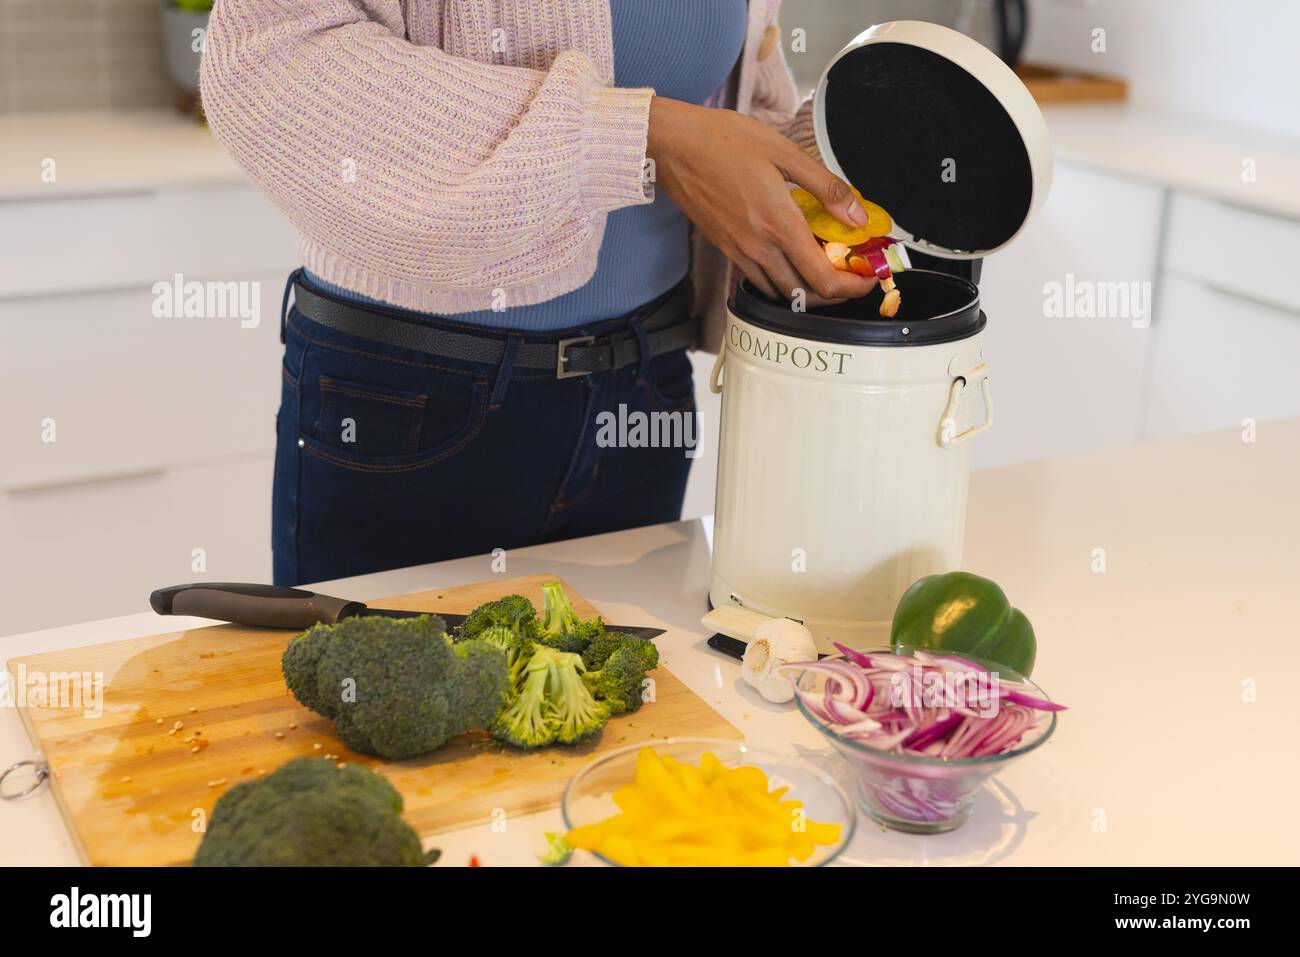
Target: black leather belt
<point x="667" y="325"/>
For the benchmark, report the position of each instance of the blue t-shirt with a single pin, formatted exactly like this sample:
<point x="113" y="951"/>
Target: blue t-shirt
<point x="685" y="49"/>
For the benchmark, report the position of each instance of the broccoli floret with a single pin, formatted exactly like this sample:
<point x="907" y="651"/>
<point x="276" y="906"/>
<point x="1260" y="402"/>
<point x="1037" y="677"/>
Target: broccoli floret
<point x="396" y="687"/>
<point x="597" y="653"/>
<point x="529" y="720"/>
<point x="553" y="703"/>
<point x="311" y="813"/>
<point x="508" y="623"/>
<point x="560" y="626"/>
<point x="512" y="611"/>
<point x="517" y="648"/>
<point x="618" y="684"/>
<point x="558" y="850"/>
<point x="577" y="712"/>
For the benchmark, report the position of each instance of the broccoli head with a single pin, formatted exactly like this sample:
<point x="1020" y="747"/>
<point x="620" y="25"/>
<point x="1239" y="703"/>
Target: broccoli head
<point x="512" y="611"/>
<point x="560" y="626"/>
<point x="618" y="682"/>
<point x="396" y="687"/>
<point x="311" y="813"/>
<point x="553" y="703"/>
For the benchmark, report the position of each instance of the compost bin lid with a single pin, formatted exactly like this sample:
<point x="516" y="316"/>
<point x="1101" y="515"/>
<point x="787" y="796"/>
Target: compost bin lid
<point x="934" y="127"/>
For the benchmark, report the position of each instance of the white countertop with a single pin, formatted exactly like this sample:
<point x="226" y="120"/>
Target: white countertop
<point x="123" y="151"/>
<point x="1159" y="760"/>
<point x="1189" y="154"/>
<point x="108" y="152"/>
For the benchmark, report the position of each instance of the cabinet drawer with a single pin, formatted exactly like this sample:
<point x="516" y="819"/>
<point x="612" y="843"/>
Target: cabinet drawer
<point x="128" y="392"/>
<point x="95" y="551"/>
<point x="1249" y="253"/>
<point x="56" y="246"/>
<point x="1218" y="360"/>
<point x="1065" y="385"/>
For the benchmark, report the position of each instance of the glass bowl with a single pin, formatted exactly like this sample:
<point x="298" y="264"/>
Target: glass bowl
<point x="921" y="794"/>
<point x="588" y="798"/>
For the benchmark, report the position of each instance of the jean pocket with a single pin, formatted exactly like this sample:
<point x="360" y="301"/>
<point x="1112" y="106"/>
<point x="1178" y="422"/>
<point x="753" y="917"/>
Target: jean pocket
<point x="371" y="428"/>
<point x="369" y="420"/>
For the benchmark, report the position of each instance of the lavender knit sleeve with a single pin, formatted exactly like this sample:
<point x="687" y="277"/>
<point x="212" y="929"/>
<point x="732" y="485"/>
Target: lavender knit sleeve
<point x="401" y="160"/>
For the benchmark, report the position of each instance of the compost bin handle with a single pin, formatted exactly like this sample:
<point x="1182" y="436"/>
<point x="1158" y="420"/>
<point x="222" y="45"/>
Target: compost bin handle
<point x="715" y="381"/>
<point x="948" y="436"/>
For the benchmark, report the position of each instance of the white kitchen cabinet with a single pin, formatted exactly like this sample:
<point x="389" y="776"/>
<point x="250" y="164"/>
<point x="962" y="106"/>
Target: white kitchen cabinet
<point x="1067" y="384"/>
<point x="55" y="246"/>
<point x="74" y="552"/>
<point x="125" y="392"/>
<point x="163" y="425"/>
<point x="1241" y="250"/>
<point x="1220" y="359"/>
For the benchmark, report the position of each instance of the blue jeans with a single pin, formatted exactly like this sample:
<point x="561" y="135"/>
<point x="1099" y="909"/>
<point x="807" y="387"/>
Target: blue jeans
<point x="387" y="457"/>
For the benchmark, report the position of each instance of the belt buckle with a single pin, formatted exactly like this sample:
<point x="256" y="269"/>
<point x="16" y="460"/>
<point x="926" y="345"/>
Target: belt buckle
<point x="560" y="358"/>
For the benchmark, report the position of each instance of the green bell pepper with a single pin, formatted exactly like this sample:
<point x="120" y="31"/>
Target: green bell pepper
<point x="961" y="612"/>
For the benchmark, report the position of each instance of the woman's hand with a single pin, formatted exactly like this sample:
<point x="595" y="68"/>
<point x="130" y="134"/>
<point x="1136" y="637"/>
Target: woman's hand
<point x="728" y="174"/>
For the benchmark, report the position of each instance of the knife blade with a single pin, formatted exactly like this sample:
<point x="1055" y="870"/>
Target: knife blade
<point x="276" y="606"/>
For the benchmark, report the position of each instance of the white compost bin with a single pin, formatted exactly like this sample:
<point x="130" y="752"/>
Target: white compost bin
<point x="845" y="446"/>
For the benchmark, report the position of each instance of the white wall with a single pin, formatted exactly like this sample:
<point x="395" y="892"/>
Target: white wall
<point x="1232" y="62"/>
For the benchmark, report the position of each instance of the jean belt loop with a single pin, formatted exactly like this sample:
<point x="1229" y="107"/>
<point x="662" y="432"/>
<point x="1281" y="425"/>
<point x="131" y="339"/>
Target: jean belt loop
<point x="643" y="347"/>
<point x="513" y="341"/>
<point x="284" y="303"/>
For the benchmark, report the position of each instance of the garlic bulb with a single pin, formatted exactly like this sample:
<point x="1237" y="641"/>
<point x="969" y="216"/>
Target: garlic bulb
<point x="776" y="642"/>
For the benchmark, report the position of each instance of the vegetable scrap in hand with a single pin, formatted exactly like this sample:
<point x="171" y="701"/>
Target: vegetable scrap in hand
<point x="939" y="706"/>
<point x="676" y="814"/>
<point x="865" y="250"/>
<point x="829" y="229"/>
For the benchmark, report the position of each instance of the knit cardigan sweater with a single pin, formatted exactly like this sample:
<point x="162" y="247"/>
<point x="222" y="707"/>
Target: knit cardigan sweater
<point x="442" y="154"/>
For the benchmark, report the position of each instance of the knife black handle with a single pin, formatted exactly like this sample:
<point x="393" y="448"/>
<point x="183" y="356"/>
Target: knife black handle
<point x="263" y="606"/>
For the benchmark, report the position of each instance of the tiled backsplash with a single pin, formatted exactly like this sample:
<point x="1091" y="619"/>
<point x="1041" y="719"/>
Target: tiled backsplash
<point x="81" y="55"/>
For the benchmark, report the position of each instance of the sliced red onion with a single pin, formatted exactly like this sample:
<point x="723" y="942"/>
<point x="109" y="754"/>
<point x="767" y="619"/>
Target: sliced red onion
<point x="843" y="713"/>
<point x="857" y="700"/>
<point x="923" y="737"/>
<point x="1038" y="704"/>
<point x="857" y="657"/>
<point x="856" y="687"/>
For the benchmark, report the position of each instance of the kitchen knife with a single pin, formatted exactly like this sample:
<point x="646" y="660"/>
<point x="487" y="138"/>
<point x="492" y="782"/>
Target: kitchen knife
<point x="275" y="606"/>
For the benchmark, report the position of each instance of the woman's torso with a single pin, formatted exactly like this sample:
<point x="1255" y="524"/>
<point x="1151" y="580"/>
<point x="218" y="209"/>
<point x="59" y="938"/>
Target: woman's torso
<point x="685" y="49"/>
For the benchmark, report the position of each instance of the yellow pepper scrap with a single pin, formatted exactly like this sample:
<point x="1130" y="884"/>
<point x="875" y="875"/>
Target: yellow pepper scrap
<point x="679" y="815"/>
<point x="829" y="229"/>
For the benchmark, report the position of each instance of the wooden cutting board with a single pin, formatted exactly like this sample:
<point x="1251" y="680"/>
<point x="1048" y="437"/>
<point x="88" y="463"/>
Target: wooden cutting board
<point x="133" y="794"/>
<point x="1053" y="85"/>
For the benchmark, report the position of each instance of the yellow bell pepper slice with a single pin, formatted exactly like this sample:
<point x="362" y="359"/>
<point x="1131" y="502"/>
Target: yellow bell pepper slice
<point x="829" y="229"/>
<point x="677" y="814"/>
